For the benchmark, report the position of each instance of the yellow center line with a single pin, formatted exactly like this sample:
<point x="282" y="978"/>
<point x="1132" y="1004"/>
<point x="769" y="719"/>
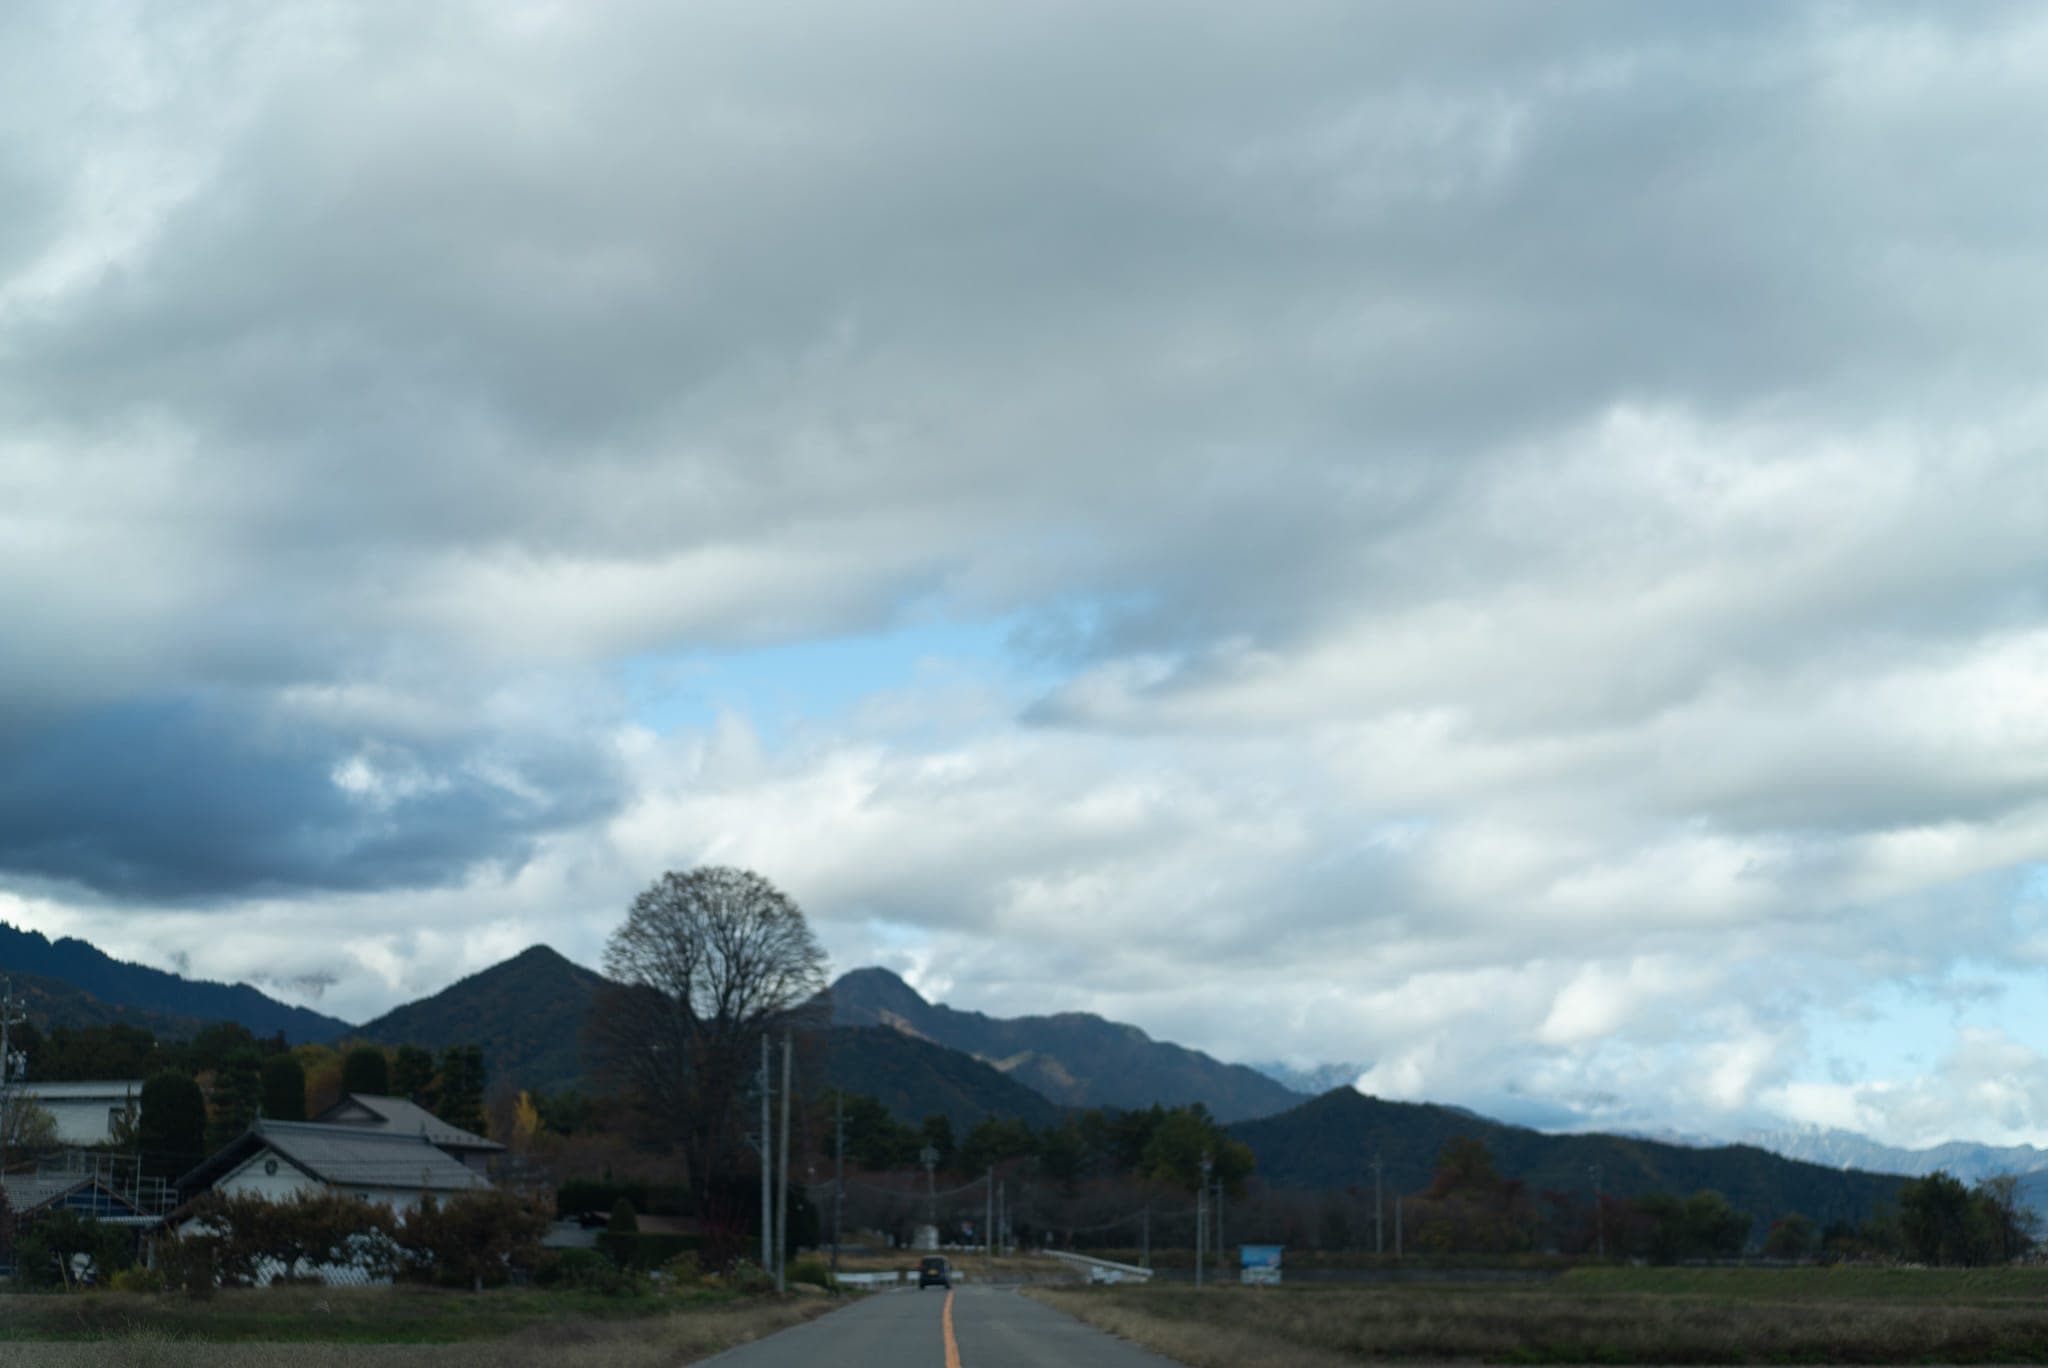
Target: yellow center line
<point x="946" y="1322"/>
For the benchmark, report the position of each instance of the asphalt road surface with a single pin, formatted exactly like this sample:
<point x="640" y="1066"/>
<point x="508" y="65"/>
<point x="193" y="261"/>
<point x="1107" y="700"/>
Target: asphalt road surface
<point x="991" y="1327"/>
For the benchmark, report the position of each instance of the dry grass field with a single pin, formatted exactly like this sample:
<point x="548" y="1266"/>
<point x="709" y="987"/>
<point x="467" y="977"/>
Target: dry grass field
<point x="1648" y="1316"/>
<point x="375" y="1327"/>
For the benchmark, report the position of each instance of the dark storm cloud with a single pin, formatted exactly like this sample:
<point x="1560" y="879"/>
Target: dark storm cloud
<point x="179" y="799"/>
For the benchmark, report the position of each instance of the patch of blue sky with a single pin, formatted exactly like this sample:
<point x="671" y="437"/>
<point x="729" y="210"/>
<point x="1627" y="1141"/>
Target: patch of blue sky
<point x="1903" y="1029"/>
<point x="785" y="688"/>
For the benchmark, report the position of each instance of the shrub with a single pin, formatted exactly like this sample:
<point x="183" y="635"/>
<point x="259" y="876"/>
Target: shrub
<point x="813" y="1271"/>
<point x="746" y="1276"/>
<point x="244" y="1230"/>
<point x="684" y="1269"/>
<point x="57" y="1242"/>
<point x="138" y="1279"/>
<point x="623" y="1219"/>
<point x="586" y="1270"/>
<point x="648" y="1250"/>
<point x="473" y="1238"/>
<point x="190" y="1264"/>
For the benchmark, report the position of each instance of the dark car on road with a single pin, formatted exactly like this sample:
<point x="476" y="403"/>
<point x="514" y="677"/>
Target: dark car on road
<point x="933" y="1271"/>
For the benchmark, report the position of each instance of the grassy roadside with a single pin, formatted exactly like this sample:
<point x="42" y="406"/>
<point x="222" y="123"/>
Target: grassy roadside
<point x="362" y="1327"/>
<point x="1677" y="1316"/>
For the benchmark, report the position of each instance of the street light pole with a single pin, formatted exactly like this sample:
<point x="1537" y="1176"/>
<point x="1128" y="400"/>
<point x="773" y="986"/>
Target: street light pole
<point x="782" y="1172"/>
<point x="838" y="1169"/>
<point x="929" y="1157"/>
<point x="1599" y="1215"/>
<point x="1202" y="1219"/>
<point x="767" y="1167"/>
<point x="1379" y="1210"/>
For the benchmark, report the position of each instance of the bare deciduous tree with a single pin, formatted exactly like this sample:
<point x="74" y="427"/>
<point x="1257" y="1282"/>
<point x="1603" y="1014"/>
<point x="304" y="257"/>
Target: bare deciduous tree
<point x="706" y="961"/>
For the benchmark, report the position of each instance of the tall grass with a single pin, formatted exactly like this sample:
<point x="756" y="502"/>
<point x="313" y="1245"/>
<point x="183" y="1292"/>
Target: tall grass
<point x="1555" y="1325"/>
<point x="571" y="1343"/>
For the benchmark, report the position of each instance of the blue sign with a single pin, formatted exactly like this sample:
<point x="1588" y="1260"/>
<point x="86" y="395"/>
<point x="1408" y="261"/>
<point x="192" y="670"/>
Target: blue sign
<point x="1259" y="1264"/>
<point x="1259" y="1256"/>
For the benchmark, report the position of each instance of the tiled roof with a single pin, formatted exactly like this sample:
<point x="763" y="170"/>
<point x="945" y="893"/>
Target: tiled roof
<point x="116" y="1088"/>
<point x="397" y="1114"/>
<point x="345" y="1156"/>
<point x="27" y="1191"/>
<point x="357" y="1156"/>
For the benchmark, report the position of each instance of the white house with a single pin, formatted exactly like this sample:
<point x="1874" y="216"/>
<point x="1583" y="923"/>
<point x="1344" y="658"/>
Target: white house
<point x="85" y="1113"/>
<point x="277" y="1159"/>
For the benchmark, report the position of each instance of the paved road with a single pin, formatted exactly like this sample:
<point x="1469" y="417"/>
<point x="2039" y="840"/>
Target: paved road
<point x="993" y="1327"/>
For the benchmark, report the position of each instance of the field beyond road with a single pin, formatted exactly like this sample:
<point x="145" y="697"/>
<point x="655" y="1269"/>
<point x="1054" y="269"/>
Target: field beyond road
<point x="1607" y="1315"/>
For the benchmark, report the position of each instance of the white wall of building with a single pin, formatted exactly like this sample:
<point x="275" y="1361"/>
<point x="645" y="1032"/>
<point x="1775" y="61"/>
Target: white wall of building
<point x="82" y="1118"/>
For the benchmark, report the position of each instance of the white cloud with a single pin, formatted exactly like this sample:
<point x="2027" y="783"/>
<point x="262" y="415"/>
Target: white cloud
<point x="1535" y="529"/>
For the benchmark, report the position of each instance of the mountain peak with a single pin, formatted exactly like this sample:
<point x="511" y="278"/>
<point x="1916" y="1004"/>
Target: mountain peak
<point x="1077" y="1059"/>
<point x="878" y="997"/>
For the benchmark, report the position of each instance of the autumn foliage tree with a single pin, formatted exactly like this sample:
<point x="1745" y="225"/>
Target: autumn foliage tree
<point x="474" y="1239"/>
<point x="705" y="963"/>
<point x="1469" y="1207"/>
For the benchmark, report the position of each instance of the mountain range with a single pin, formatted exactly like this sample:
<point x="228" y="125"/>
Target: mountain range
<point x="122" y="985"/>
<point x="1964" y="1159"/>
<point x="1074" y="1058"/>
<point x="920" y="1058"/>
<point x="1332" y="1141"/>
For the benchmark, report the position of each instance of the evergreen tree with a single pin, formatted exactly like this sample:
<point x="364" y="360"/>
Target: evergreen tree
<point x="237" y="1090"/>
<point x="284" y="1088"/>
<point x="412" y="1075"/>
<point x="171" y="1134"/>
<point x="365" y="1070"/>
<point x="462" y="1087"/>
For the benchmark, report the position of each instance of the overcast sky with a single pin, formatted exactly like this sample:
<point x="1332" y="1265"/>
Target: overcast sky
<point x="1504" y="544"/>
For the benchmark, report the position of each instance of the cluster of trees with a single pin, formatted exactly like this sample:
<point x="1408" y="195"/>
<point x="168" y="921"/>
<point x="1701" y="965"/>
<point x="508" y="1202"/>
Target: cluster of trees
<point x="1471" y="1208"/>
<point x="1156" y="1144"/>
<point x="201" y="1093"/>
<point x="1937" y="1220"/>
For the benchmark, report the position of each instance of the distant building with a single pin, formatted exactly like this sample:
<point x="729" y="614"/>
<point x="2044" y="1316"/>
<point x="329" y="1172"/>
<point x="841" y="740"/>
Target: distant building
<point x="396" y="1116"/>
<point x="85" y="1113"/>
<point x="278" y="1159"/>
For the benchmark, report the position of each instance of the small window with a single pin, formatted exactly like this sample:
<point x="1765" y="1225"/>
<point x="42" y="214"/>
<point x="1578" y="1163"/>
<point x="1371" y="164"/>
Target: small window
<point x="270" y="1167"/>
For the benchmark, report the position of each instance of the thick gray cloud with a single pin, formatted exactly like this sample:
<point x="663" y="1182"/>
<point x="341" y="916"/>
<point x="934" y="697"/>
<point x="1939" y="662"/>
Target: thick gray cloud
<point x="1533" y="517"/>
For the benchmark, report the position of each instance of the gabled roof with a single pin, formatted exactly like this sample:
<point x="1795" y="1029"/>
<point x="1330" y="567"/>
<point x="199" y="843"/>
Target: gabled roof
<point x="87" y="1091"/>
<point x="371" y="1112"/>
<point x="30" y="1192"/>
<point x="344" y="1156"/>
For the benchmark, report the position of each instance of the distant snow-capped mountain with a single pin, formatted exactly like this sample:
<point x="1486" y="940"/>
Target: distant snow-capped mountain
<point x="1965" y="1159"/>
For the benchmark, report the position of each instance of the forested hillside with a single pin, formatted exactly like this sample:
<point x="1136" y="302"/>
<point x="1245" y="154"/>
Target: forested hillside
<point x="1331" y="1142"/>
<point x="526" y="1014"/>
<point x="915" y="1079"/>
<point x="1074" y="1058"/>
<point x="133" y="987"/>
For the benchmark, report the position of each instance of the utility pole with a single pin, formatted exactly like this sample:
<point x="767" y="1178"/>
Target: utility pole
<point x="1003" y="1215"/>
<point x="1202" y="1220"/>
<point x="1397" y="1227"/>
<point x="838" y="1169"/>
<point x="1599" y="1216"/>
<point x="782" y="1172"/>
<point x="1222" y="1247"/>
<point x="988" y="1225"/>
<point x="929" y="1157"/>
<point x="1145" y="1249"/>
<point x="767" y="1167"/>
<point x="11" y="1068"/>
<point x="1379" y="1210"/>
